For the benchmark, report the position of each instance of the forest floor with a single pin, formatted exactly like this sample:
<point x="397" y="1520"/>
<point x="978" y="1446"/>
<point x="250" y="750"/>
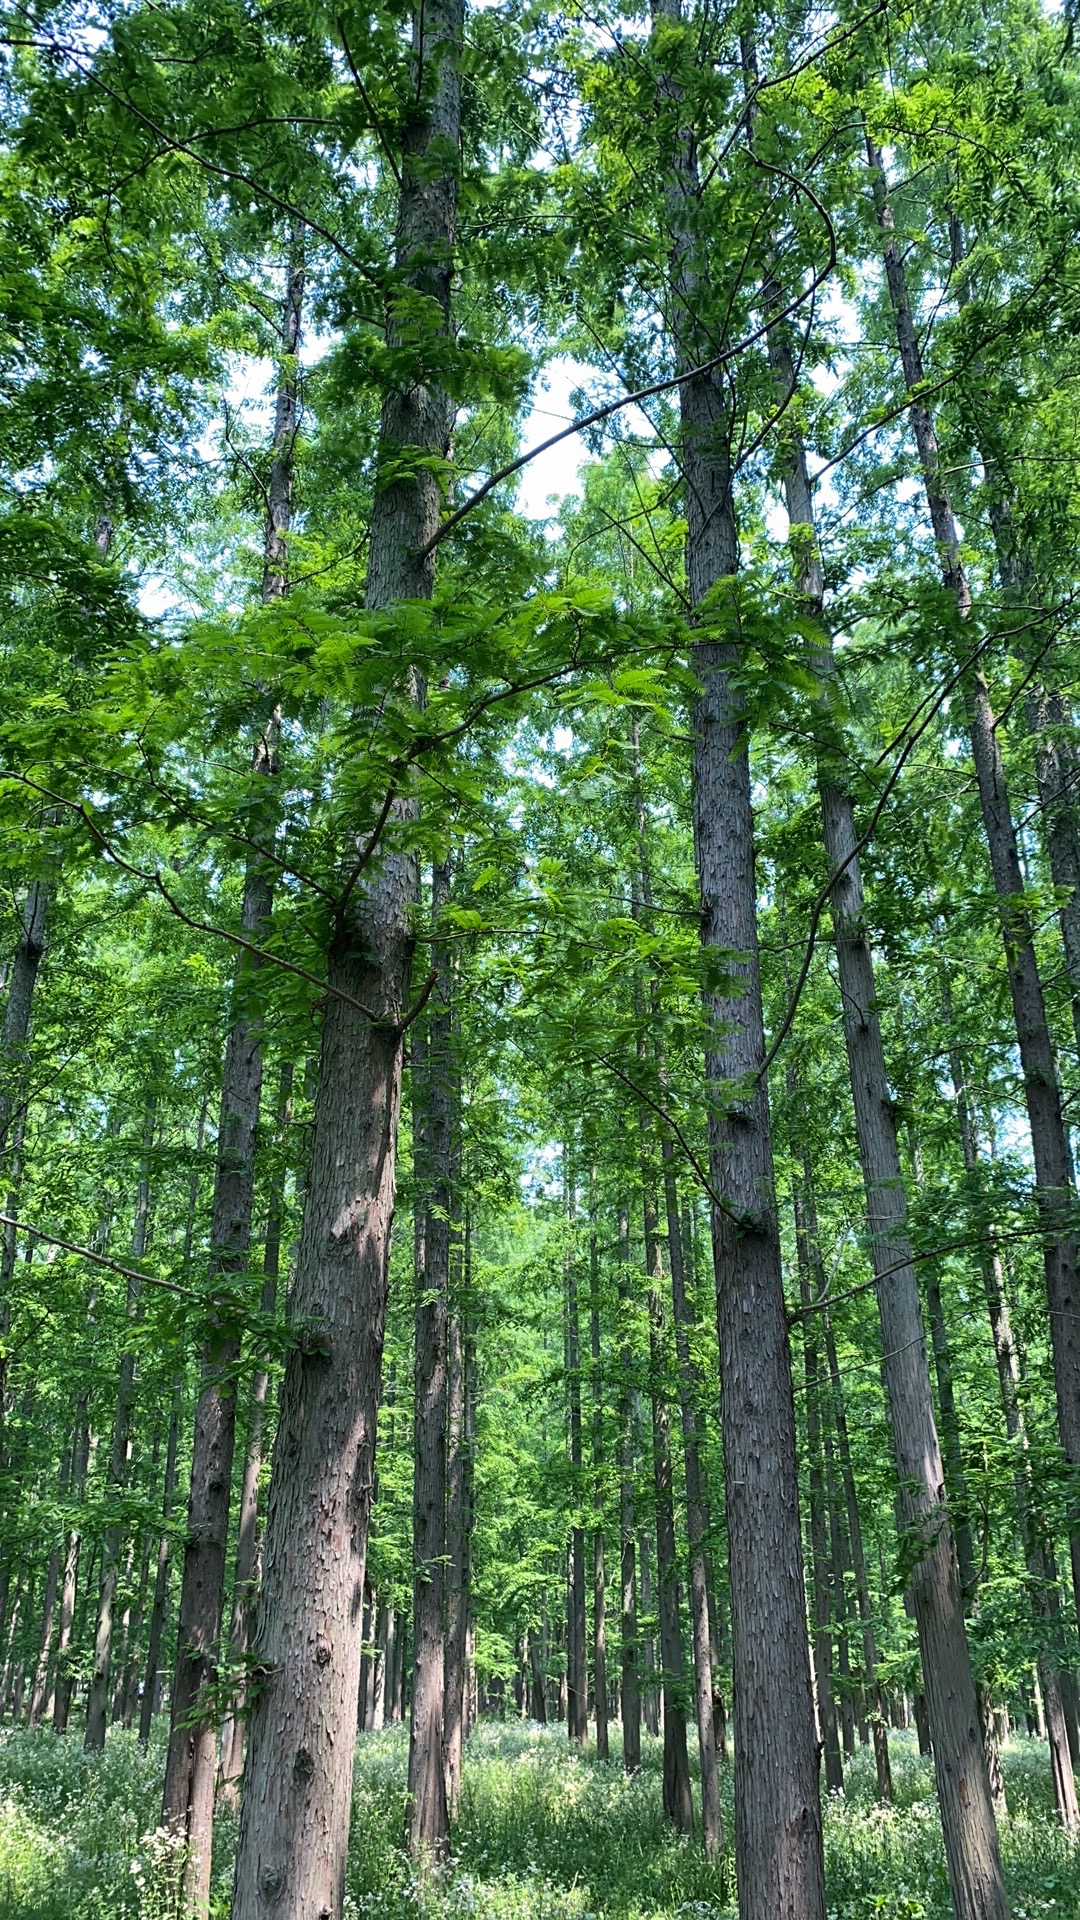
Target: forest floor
<point x="541" y="1835"/>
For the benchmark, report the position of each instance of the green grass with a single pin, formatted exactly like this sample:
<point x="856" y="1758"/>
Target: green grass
<point x="542" y="1835"/>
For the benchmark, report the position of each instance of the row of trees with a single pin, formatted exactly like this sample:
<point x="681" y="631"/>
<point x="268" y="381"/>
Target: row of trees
<point x="689" y="889"/>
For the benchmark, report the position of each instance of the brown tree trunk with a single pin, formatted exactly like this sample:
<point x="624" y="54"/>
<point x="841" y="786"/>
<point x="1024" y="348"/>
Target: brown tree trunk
<point x="963" y="1784"/>
<point x="1007" y="1360"/>
<point x="40" y="1700"/>
<point x="294" y="1823"/>
<point x="629" y="1651"/>
<point x="159" y="1604"/>
<point x="188" y="1800"/>
<point x="600" y="1687"/>
<point x="678" y="1804"/>
<point x="778" y="1840"/>
<point x="428" y="1819"/>
<point x="80" y="1460"/>
<point x="97" y="1704"/>
<point x="819" y="1552"/>
<point x="245" y="1568"/>
<point x="460" y="1432"/>
<point x="1054" y="1183"/>
<point x="871" y="1683"/>
<point x="577" y="1695"/>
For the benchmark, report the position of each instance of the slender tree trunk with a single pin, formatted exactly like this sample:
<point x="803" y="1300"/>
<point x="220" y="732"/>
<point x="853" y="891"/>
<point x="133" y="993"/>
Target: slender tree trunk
<point x="689" y="1395"/>
<point x="840" y="1560"/>
<point x="600" y="1687"/>
<point x="819" y="1554"/>
<point x="650" y="1692"/>
<point x="1007" y="1361"/>
<point x="577" y="1700"/>
<point x="428" y="1819"/>
<point x="1054" y="1184"/>
<point x="629" y="1682"/>
<point x="963" y="1784"/>
<point x="294" y="1823"/>
<point x="678" y="1804"/>
<point x="97" y="1704"/>
<point x="80" y="1460"/>
<point x="461" y="1433"/>
<point x="778" y="1839"/>
<point x="38" y="1698"/>
<point x="188" y="1800"/>
<point x="871" y="1683"/>
<point x="245" y="1569"/>
<point x="159" y="1603"/>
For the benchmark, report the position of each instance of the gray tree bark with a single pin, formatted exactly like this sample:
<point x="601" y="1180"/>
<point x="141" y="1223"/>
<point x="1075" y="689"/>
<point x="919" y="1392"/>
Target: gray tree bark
<point x="188" y="1798"/>
<point x="678" y="1803"/>
<point x="294" y="1823"/>
<point x="427" y="1815"/>
<point x="246" y="1563"/>
<point x="97" y="1704"/>
<point x="778" y="1839"/>
<point x="1054" y="1180"/>
<point x="600" y="1686"/>
<point x="577" y="1693"/>
<point x="629" y="1651"/>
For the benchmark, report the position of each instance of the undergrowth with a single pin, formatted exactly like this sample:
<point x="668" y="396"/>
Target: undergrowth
<point x="542" y="1834"/>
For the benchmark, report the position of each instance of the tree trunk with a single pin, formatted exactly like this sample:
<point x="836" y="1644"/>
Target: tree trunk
<point x="294" y="1823"/>
<point x="40" y="1705"/>
<point x="600" y="1688"/>
<point x="1007" y="1361"/>
<point x="97" y="1704"/>
<point x="871" y="1683"/>
<point x="819" y="1553"/>
<point x="245" y="1569"/>
<point x="778" y="1841"/>
<point x="159" y="1603"/>
<point x="428" y="1819"/>
<point x="188" y="1800"/>
<point x="1054" y="1184"/>
<point x="577" y="1694"/>
<point x="629" y="1683"/>
<point x="80" y="1460"/>
<point x="963" y="1785"/>
<point x="678" y="1804"/>
<point x="461" y="1442"/>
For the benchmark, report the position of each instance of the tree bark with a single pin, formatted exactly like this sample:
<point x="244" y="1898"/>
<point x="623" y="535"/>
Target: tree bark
<point x="427" y="1816"/>
<point x="778" y="1839"/>
<point x="97" y="1704"/>
<point x="963" y="1784"/>
<point x="577" y="1695"/>
<point x="160" y="1601"/>
<point x="819" y="1552"/>
<point x="600" y="1687"/>
<point x="1054" y="1182"/>
<point x="629" y="1682"/>
<point x="294" y="1823"/>
<point x="188" y="1800"/>
<point x="678" y="1804"/>
<point x="460" y="1435"/>
<point x="246" y="1564"/>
